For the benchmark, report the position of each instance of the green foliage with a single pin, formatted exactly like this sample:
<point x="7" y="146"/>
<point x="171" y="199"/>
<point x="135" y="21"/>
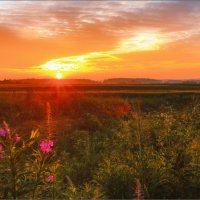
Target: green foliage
<point x="105" y="147"/>
<point x="23" y="165"/>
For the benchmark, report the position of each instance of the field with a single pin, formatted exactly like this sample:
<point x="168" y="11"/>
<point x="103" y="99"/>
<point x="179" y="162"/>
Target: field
<point x="100" y="141"/>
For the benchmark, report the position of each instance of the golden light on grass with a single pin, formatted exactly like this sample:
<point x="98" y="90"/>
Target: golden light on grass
<point x="59" y="75"/>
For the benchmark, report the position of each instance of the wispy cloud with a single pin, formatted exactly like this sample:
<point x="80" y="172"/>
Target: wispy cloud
<point x="93" y="36"/>
<point x="51" y="18"/>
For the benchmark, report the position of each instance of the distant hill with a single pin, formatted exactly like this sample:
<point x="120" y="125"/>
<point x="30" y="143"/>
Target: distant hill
<point x="146" y="81"/>
<point x="130" y="81"/>
<point x="49" y="81"/>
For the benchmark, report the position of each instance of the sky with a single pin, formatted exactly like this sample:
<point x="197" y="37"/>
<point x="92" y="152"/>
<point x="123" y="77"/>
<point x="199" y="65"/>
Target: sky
<point x="100" y="39"/>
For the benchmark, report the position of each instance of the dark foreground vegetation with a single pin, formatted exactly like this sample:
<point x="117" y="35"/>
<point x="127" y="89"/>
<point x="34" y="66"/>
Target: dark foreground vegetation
<point x="74" y="146"/>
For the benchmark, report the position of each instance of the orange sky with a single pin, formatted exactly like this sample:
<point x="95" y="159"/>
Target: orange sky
<point x="100" y="39"/>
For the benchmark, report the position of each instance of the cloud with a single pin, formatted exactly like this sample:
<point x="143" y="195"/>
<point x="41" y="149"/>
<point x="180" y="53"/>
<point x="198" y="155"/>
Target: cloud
<point x="51" y="18"/>
<point x="123" y="34"/>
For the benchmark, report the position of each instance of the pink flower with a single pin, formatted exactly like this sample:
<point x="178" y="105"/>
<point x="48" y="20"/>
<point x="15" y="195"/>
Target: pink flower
<point x="2" y="156"/>
<point x="6" y="128"/>
<point x="1" y="147"/>
<point x="17" y="138"/>
<point x="50" y="178"/>
<point x="46" y="146"/>
<point x="2" y="132"/>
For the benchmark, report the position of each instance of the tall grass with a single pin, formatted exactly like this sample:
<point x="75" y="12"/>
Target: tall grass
<point x="102" y="145"/>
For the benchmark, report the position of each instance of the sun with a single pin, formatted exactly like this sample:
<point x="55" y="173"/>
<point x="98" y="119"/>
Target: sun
<point x="59" y="75"/>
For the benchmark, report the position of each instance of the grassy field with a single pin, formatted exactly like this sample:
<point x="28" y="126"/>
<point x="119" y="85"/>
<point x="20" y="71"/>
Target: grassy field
<point x="103" y="88"/>
<point x="109" y="141"/>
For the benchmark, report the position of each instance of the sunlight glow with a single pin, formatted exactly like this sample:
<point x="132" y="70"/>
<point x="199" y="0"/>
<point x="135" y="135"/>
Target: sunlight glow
<point x="78" y="64"/>
<point x="59" y="75"/>
<point x="142" y="42"/>
<point x="89" y="62"/>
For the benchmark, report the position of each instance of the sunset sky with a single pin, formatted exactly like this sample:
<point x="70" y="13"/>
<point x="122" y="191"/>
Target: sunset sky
<point x="100" y="39"/>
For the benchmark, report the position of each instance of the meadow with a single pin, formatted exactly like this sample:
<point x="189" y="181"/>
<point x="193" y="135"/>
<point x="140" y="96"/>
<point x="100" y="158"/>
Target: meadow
<point x="100" y="141"/>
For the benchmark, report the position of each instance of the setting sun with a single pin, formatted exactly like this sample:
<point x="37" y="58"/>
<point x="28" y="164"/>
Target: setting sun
<point x="59" y="75"/>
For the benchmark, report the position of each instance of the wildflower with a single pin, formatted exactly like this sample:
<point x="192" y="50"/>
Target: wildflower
<point x="46" y="146"/>
<point x="2" y="132"/>
<point x="6" y="128"/>
<point x="2" y="156"/>
<point x="50" y="178"/>
<point x="17" y="138"/>
<point x="138" y="190"/>
<point x="1" y="147"/>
